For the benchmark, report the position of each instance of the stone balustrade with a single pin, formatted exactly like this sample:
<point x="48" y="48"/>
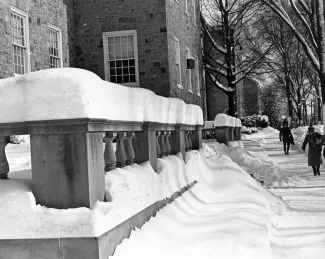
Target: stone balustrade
<point x="227" y="129"/>
<point x="68" y="160"/>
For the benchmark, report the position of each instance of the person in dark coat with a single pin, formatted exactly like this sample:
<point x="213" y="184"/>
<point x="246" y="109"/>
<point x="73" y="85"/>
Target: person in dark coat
<point x="315" y="142"/>
<point x="285" y="136"/>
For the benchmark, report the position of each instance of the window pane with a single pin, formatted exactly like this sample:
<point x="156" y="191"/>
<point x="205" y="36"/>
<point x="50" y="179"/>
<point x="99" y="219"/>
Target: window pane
<point x="112" y="72"/>
<point x="132" y="78"/>
<point x="113" y="79"/>
<point x="119" y="79"/>
<point x="119" y="71"/>
<point x="118" y="55"/>
<point x="132" y="62"/>
<point x="125" y="63"/>
<point x="126" y="79"/>
<point x="118" y="63"/>
<point x="112" y="64"/>
<point x="124" y="55"/>
<point x="132" y="70"/>
<point x="110" y="40"/>
<point x="124" y="39"/>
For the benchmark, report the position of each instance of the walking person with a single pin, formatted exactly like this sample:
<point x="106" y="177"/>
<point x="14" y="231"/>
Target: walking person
<point x="315" y="142"/>
<point x="285" y="135"/>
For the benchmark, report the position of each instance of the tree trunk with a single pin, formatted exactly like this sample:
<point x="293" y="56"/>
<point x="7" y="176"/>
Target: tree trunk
<point x="320" y="13"/>
<point x="287" y="85"/>
<point x="231" y="103"/>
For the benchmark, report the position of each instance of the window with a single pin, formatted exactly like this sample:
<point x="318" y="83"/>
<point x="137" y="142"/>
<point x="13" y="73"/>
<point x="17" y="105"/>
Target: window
<point x="19" y="39"/>
<point x="121" y="57"/>
<point x="178" y="63"/>
<point x="198" y="77"/>
<point x="188" y="72"/>
<point x="194" y="12"/>
<point x="55" y="47"/>
<point x="186" y="7"/>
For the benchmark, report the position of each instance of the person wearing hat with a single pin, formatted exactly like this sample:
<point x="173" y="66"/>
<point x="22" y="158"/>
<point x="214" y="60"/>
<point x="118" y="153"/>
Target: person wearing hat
<point x="315" y="142"/>
<point x="285" y="136"/>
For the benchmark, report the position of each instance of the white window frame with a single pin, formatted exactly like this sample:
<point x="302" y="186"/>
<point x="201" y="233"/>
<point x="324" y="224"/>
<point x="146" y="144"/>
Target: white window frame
<point x="186" y="7"/>
<point x="176" y="1"/>
<point x="24" y="15"/>
<point x="198" y="88"/>
<point x="188" y="72"/>
<point x="106" y="60"/>
<point x="178" y="62"/>
<point x="58" y="30"/>
<point x="194" y="12"/>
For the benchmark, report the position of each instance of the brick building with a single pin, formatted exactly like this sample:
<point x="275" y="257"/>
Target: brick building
<point x="136" y="43"/>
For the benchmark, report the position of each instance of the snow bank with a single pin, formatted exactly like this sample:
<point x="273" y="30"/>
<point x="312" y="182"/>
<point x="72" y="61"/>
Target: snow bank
<point x="78" y="93"/>
<point x="227" y="214"/>
<point x="222" y="120"/>
<point x="259" y="166"/>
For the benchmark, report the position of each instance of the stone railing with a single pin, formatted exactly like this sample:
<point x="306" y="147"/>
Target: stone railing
<point x="227" y="128"/>
<point x="68" y="159"/>
<point x="70" y="112"/>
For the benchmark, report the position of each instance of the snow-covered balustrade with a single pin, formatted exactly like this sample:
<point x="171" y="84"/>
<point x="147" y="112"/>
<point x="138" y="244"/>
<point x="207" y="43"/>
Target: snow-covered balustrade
<point x="70" y="112"/>
<point x="226" y="128"/>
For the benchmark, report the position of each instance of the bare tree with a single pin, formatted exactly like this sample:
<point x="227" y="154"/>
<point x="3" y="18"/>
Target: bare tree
<point x="232" y="51"/>
<point x="306" y="19"/>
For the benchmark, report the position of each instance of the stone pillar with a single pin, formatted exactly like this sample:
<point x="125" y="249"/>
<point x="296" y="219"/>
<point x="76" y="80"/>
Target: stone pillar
<point x="4" y="166"/>
<point x="68" y="169"/>
<point x="186" y="140"/>
<point x="222" y="134"/>
<point x="158" y="145"/>
<point x="162" y="145"/>
<point x="239" y="134"/>
<point x="167" y="144"/>
<point x="120" y="152"/>
<point x="109" y="153"/>
<point x="231" y="133"/>
<point x="196" y="138"/>
<point x="177" y="140"/>
<point x="235" y="134"/>
<point x="145" y="146"/>
<point x="128" y="147"/>
<point x="189" y="139"/>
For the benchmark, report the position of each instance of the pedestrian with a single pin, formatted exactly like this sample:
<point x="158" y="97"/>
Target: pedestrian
<point x="285" y="136"/>
<point x="315" y="142"/>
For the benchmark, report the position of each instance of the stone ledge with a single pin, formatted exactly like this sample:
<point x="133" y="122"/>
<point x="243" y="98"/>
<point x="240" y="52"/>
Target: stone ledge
<point x="84" y="247"/>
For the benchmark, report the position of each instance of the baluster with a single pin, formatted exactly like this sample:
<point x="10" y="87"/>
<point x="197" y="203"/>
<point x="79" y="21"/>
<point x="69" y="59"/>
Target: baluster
<point x="162" y="144"/>
<point x="167" y="144"/>
<point x="158" y="146"/>
<point x="186" y="141"/>
<point x="189" y="138"/>
<point x="4" y="166"/>
<point x="120" y="152"/>
<point x="129" y="151"/>
<point x="109" y="154"/>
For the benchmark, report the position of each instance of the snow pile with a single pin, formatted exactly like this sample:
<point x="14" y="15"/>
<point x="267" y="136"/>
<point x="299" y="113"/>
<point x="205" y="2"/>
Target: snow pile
<point x="258" y="165"/>
<point x="78" y="93"/>
<point x="227" y="214"/>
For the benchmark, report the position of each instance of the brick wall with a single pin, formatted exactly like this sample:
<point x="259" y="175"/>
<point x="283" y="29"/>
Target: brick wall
<point x="182" y="26"/>
<point x="92" y="18"/>
<point x="40" y="13"/>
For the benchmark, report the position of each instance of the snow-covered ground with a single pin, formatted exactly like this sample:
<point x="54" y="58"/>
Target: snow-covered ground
<point x="227" y="214"/>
